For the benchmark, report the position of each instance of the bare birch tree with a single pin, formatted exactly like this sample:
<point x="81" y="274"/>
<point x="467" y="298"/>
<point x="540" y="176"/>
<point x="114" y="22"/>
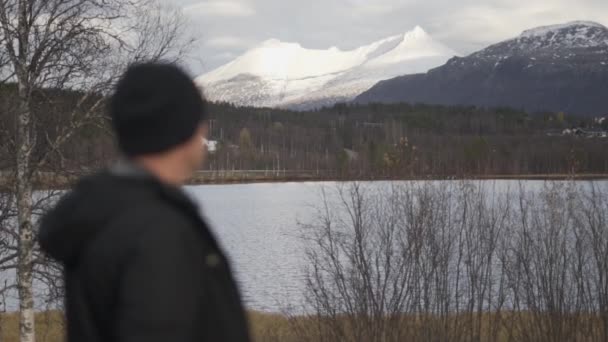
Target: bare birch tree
<point x="74" y="45"/>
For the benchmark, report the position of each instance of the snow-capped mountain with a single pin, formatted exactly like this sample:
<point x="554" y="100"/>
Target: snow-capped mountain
<point x="554" y="42"/>
<point x="278" y="74"/>
<point x="558" y="68"/>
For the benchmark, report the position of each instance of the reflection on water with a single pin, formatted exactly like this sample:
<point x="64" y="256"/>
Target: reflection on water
<point x="258" y="226"/>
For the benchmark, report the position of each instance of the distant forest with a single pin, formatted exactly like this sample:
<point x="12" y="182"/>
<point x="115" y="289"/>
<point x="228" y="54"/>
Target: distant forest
<point x="403" y="140"/>
<point x="351" y="141"/>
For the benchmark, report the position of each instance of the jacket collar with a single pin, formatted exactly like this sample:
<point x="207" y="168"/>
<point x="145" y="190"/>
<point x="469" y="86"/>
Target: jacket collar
<point x="125" y="168"/>
<point x="171" y="194"/>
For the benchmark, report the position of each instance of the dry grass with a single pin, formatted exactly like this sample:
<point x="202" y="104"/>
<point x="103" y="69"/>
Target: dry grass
<point x="270" y="327"/>
<point x="267" y="327"/>
<point x="490" y="327"/>
<point x="49" y="327"/>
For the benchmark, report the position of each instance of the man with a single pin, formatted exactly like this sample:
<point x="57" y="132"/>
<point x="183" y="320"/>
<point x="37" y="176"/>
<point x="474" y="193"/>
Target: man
<point x="140" y="263"/>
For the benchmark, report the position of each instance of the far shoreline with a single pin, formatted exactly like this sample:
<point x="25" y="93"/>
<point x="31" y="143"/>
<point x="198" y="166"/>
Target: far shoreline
<point x="519" y="177"/>
<point x="59" y="181"/>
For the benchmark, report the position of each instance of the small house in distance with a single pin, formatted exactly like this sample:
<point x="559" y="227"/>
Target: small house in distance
<point x="585" y="133"/>
<point x="212" y="146"/>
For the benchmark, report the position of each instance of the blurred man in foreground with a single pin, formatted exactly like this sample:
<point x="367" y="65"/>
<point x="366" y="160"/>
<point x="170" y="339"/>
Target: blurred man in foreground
<point x="140" y="263"/>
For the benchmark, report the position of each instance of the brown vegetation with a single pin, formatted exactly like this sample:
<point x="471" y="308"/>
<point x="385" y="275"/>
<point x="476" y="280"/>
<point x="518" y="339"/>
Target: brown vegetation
<point x="49" y="327"/>
<point x="459" y="261"/>
<point x="267" y="327"/>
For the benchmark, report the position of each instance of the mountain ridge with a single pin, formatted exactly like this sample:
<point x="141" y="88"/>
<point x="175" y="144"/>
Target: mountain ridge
<point x="281" y="74"/>
<point x="560" y="67"/>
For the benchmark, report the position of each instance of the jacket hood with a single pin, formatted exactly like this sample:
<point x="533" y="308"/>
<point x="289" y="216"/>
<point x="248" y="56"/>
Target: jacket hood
<point x="77" y="218"/>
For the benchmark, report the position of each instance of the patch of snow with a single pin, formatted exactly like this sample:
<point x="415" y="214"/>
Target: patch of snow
<point x="277" y="60"/>
<point x="577" y="34"/>
<point x="544" y="30"/>
<point x="276" y="73"/>
<point x="413" y="45"/>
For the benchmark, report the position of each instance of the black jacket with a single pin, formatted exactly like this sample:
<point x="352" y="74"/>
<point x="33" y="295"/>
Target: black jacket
<point x="140" y="265"/>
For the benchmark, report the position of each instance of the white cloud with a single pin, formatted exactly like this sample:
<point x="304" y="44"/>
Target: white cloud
<point x="372" y="9"/>
<point x="484" y="24"/>
<point x="220" y="8"/>
<point x="227" y="42"/>
<point x="464" y="25"/>
<point x="224" y="56"/>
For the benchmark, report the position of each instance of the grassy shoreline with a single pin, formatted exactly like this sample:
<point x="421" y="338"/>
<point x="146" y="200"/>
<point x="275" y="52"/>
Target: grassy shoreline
<point x="59" y="181"/>
<point x="270" y="327"/>
<point x="541" y="177"/>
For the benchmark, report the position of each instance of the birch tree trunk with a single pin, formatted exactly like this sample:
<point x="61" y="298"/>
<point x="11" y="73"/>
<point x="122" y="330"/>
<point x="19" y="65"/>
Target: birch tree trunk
<point x="24" y="210"/>
<point x="66" y="44"/>
<point x="24" y="148"/>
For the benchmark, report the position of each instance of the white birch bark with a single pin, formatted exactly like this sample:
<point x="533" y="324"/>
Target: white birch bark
<point x="24" y="147"/>
<point x="59" y="44"/>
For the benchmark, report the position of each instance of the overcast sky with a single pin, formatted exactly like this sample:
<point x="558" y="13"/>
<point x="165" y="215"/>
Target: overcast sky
<point x="227" y="28"/>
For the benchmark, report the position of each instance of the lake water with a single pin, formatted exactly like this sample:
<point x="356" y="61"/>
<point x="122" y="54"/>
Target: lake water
<point x="258" y="225"/>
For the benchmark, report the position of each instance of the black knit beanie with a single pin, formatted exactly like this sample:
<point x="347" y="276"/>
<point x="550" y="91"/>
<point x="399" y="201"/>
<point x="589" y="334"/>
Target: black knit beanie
<point x="155" y="107"/>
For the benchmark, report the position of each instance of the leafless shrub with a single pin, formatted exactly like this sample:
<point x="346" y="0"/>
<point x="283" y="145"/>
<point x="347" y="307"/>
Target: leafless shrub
<point x="458" y="261"/>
